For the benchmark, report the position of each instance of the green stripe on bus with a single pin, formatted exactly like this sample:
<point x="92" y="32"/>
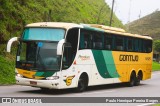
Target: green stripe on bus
<point x="100" y="63"/>
<point x="44" y="74"/>
<point x="109" y="61"/>
<point x="39" y="74"/>
<point x="48" y="74"/>
<point x="105" y="64"/>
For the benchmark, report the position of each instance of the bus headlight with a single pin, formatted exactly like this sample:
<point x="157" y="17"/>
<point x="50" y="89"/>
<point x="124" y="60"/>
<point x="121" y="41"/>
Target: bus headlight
<point x="52" y="78"/>
<point x="18" y="75"/>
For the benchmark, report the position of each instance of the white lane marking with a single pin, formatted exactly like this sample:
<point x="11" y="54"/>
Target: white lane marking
<point x="147" y="104"/>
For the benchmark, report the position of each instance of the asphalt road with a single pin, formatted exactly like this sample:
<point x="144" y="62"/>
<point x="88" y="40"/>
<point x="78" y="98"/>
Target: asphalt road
<point x="148" y="88"/>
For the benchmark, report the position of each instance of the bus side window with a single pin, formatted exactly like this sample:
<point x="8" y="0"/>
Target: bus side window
<point x="140" y="45"/>
<point x="130" y="44"/>
<point x="119" y="45"/>
<point x="86" y="40"/>
<point x="143" y="46"/>
<point x="148" y="46"/>
<point x="108" y="42"/>
<point x="82" y="42"/>
<point x="136" y="47"/>
<point x="97" y="41"/>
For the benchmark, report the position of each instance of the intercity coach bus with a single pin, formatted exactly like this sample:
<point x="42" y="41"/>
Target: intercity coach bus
<point x="57" y="55"/>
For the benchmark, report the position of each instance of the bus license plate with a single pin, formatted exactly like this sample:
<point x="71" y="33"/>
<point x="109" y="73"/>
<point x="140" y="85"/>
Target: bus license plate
<point x="33" y="82"/>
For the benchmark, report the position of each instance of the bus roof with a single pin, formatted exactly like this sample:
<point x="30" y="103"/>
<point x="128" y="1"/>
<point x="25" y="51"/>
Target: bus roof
<point x="113" y="30"/>
<point x="97" y="27"/>
<point x="54" y="24"/>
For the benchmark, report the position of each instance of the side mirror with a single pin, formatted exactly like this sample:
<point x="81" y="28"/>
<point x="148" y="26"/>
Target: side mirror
<point x="60" y="47"/>
<point x="9" y="44"/>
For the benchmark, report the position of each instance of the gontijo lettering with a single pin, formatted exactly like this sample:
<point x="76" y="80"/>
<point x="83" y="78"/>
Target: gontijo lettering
<point x="128" y="57"/>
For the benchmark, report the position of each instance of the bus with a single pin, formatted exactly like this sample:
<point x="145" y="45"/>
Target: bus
<point x="58" y="55"/>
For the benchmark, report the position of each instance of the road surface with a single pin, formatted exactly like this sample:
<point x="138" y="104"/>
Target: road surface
<point x="148" y="88"/>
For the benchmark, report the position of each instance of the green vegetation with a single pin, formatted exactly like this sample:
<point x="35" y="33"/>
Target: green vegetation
<point x="155" y="66"/>
<point x="7" y="70"/>
<point x="15" y="14"/>
<point x="156" y="45"/>
<point x="148" y="25"/>
<point x="156" y="105"/>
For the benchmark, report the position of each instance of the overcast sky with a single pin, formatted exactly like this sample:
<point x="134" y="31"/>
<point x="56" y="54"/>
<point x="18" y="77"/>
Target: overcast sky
<point x="129" y="10"/>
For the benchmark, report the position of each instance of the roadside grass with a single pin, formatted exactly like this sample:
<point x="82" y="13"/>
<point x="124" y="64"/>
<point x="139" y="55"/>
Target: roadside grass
<point x="7" y="74"/>
<point x="156" y="105"/>
<point x="156" y="66"/>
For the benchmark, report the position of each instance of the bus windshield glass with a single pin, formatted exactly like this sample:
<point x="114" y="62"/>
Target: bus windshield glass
<point x="45" y="34"/>
<point x="40" y="56"/>
<point x="38" y="49"/>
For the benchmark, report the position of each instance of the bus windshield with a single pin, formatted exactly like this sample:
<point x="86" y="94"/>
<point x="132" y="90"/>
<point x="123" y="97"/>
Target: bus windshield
<point x="40" y="56"/>
<point x="38" y="49"/>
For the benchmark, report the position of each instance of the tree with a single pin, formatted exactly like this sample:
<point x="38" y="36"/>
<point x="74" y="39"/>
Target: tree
<point x="156" y="45"/>
<point x="100" y="11"/>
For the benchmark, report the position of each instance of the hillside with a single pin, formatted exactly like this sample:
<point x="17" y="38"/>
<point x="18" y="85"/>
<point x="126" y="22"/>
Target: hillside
<point x="15" y="14"/>
<point x="148" y="25"/>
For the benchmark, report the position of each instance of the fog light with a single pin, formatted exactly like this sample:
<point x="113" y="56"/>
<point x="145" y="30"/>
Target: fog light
<point x="53" y="78"/>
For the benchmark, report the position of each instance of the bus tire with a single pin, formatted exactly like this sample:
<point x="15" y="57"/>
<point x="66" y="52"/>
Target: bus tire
<point x="137" y="82"/>
<point x="82" y="83"/>
<point x="131" y="83"/>
<point x="138" y="78"/>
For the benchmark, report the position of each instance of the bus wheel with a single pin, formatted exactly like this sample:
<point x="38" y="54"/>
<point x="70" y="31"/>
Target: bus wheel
<point x="132" y="79"/>
<point x="82" y="83"/>
<point x="137" y="82"/>
<point x="138" y="79"/>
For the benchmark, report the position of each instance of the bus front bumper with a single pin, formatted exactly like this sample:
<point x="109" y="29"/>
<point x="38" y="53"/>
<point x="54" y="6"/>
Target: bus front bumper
<point x="51" y="84"/>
